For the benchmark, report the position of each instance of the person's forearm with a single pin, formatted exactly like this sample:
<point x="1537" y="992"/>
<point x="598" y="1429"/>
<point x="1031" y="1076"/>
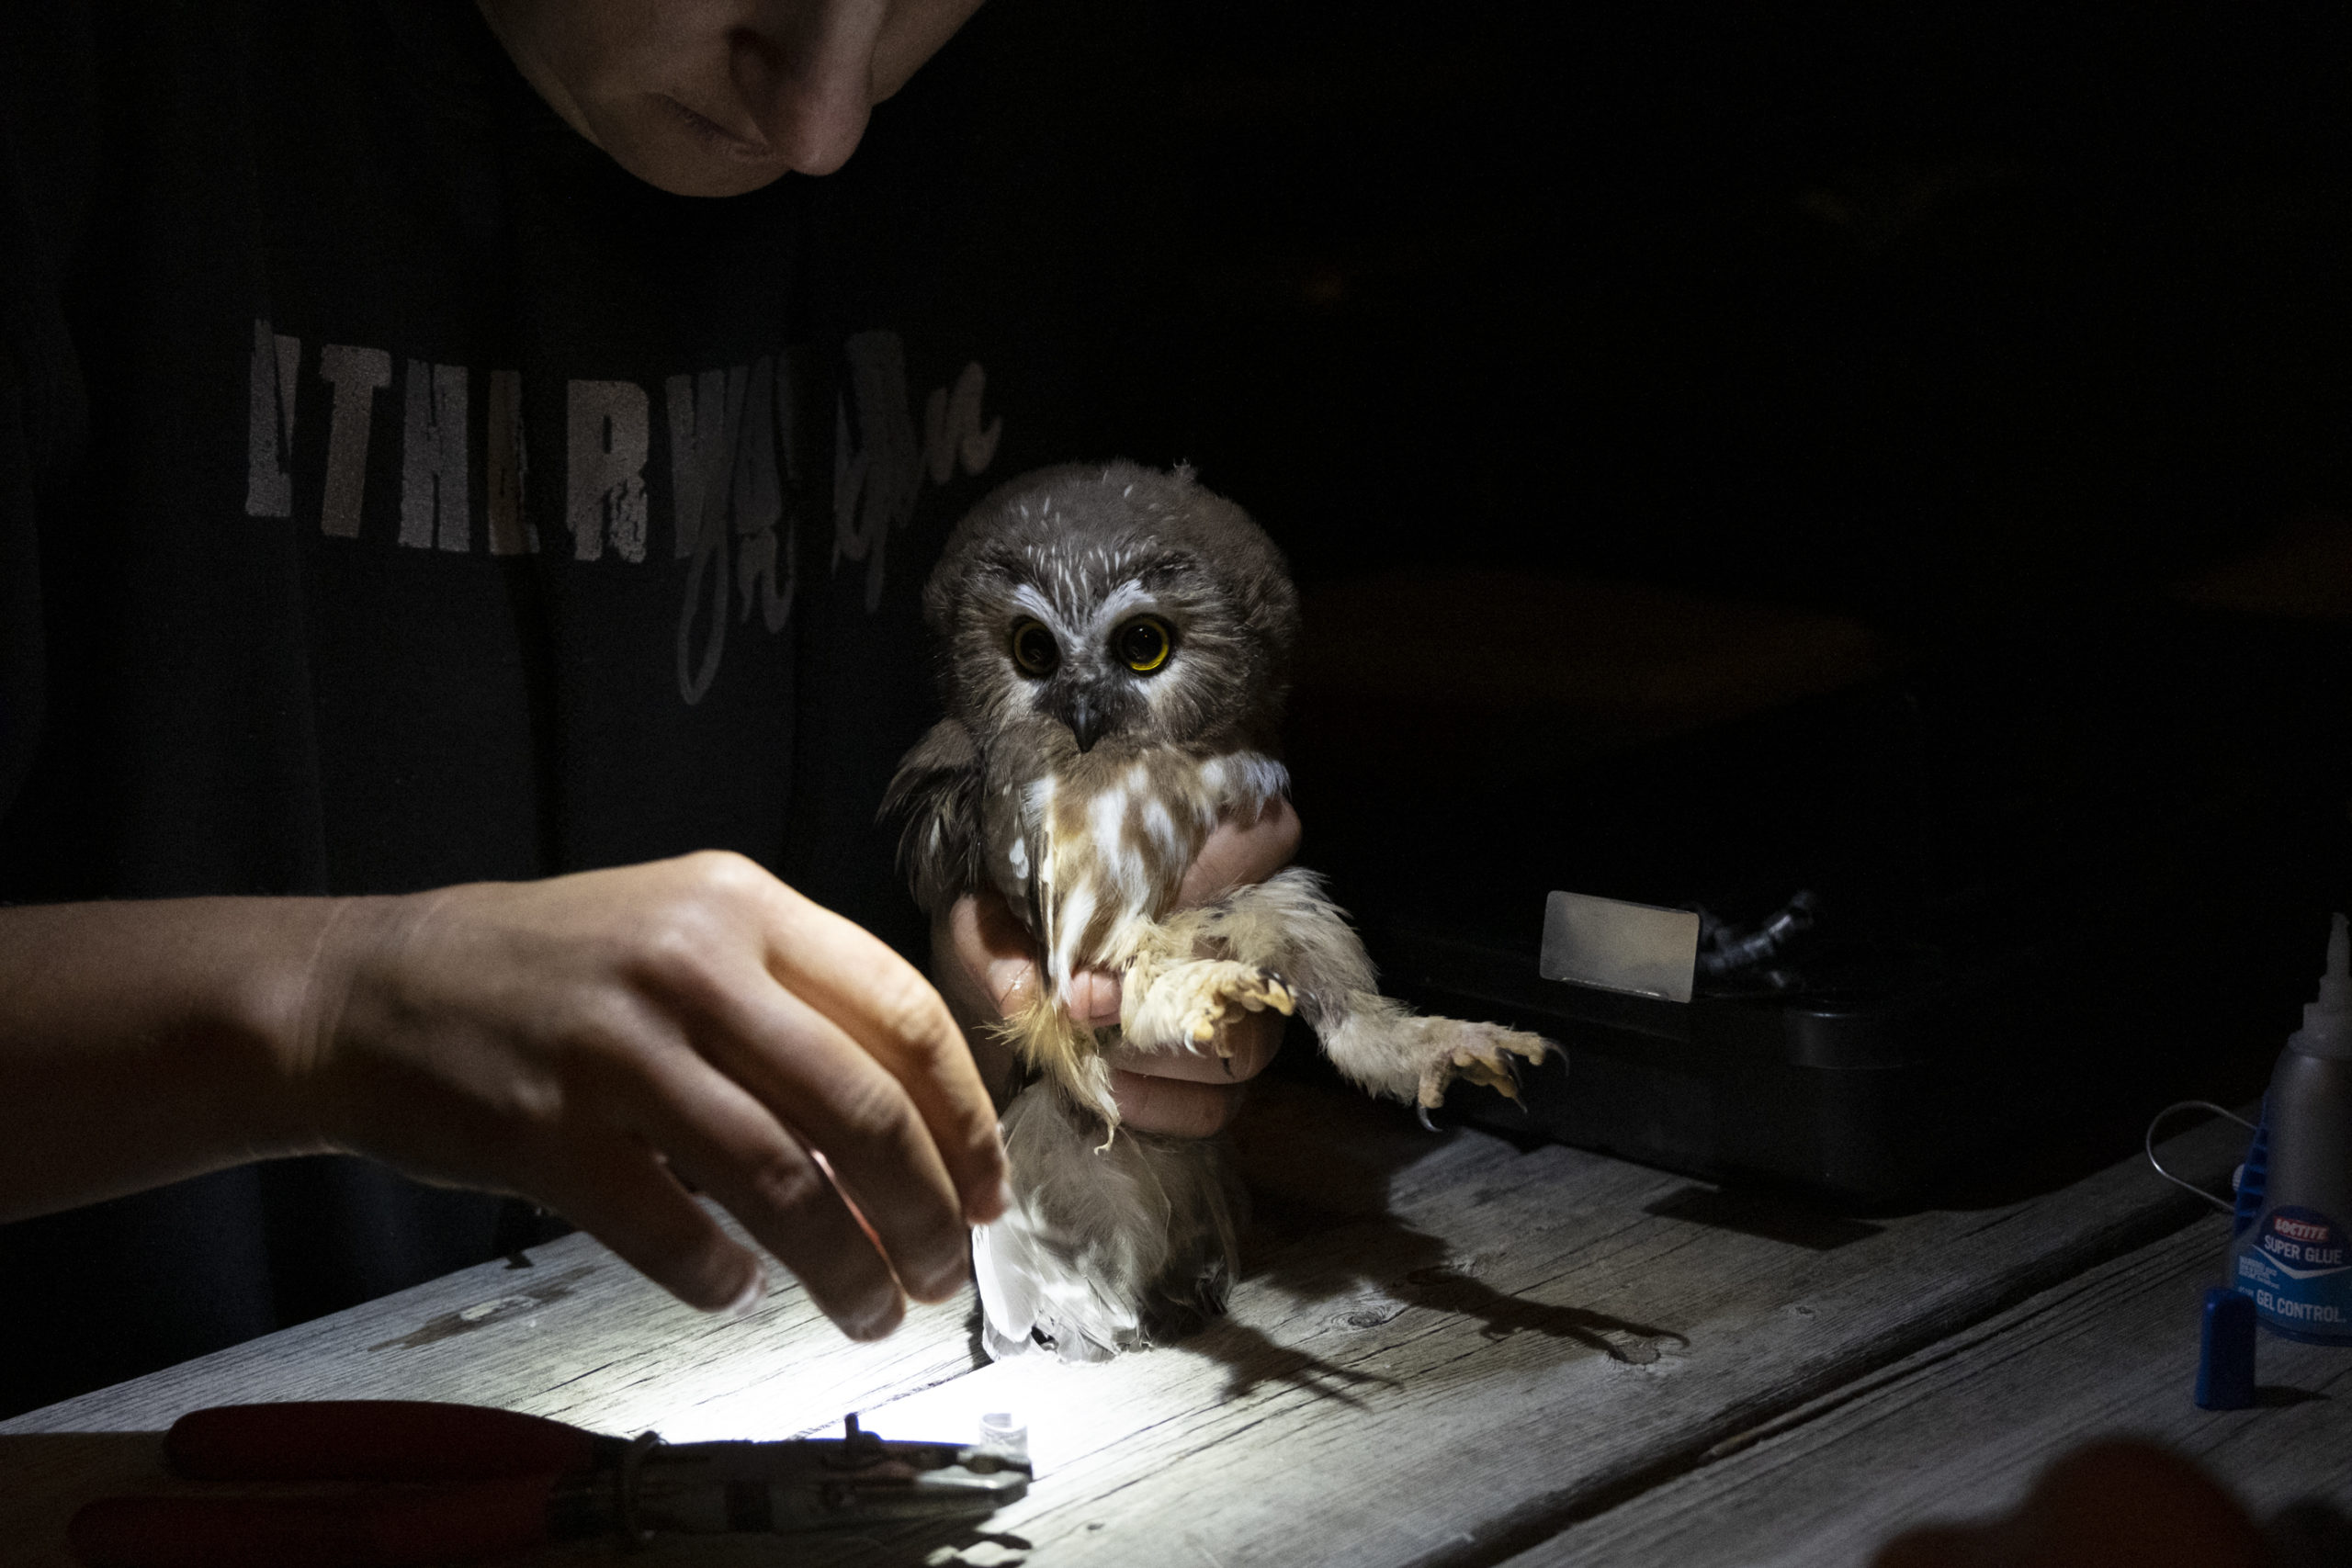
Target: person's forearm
<point x="141" y="1042"/>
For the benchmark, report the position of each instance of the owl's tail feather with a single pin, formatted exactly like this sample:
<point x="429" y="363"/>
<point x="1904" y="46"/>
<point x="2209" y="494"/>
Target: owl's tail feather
<point x="1106" y="1249"/>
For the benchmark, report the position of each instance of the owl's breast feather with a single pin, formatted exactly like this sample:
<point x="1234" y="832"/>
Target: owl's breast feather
<point x="1109" y="844"/>
<point x="1014" y="817"/>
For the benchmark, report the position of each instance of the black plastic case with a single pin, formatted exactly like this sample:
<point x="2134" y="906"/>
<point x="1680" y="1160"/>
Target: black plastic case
<point x="1857" y="1090"/>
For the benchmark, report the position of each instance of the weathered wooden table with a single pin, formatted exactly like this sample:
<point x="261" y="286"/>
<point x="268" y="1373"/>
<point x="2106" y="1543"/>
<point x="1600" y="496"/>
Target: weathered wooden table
<point x="1446" y="1350"/>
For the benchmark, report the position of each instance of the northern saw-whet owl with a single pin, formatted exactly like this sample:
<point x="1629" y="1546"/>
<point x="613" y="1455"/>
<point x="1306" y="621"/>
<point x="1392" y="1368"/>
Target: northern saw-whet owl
<point x="1113" y="652"/>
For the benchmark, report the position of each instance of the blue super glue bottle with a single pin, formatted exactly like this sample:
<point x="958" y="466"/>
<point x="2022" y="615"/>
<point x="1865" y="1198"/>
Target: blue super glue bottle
<point x="2292" y="1249"/>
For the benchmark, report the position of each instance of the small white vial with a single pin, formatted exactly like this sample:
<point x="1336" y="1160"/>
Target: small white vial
<point x="1002" y="1433"/>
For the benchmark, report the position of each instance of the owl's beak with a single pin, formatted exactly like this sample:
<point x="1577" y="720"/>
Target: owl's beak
<point x="1085" y="718"/>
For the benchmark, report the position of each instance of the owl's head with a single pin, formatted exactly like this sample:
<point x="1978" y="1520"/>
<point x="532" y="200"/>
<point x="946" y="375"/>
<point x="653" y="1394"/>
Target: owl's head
<point x="1129" y="607"/>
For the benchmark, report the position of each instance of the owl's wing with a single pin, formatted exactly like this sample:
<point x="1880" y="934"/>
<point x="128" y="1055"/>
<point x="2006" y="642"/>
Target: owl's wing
<point x="935" y="794"/>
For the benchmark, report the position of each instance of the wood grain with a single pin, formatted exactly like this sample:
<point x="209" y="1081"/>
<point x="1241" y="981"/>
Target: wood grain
<point x="578" y="1335"/>
<point x="1517" y="1340"/>
<point x="1960" y="1430"/>
<point x="1445" y="1351"/>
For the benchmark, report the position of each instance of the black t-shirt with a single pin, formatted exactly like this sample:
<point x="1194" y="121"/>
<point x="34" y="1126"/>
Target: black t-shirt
<point x="393" y="491"/>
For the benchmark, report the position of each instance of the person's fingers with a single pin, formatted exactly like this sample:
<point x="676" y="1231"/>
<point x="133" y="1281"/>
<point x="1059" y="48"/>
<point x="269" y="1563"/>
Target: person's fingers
<point x="965" y="994"/>
<point x="1238" y="853"/>
<point x="1175" y="1107"/>
<point x="717" y="1135"/>
<point x="1094" y="997"/>
<point x="813" y="1078"/>
<point x="991" y="964"/>
<point x="615" y="1188"/>
<point x="878" y="1000"/>
<point x="957" y="965"/>
<point x="1251" y="1040"/>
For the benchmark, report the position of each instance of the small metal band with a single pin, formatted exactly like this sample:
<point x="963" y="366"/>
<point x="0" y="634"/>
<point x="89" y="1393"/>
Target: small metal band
<point x="633" y="1533"/>
<point x="2149" y="1144"/>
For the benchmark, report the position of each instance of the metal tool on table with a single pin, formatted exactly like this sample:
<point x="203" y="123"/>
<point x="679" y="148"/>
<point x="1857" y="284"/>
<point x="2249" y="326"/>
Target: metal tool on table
<point x="415" y="1483"/>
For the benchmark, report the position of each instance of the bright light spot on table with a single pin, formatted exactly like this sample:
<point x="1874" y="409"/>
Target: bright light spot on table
<point x="1061" y="1405"/>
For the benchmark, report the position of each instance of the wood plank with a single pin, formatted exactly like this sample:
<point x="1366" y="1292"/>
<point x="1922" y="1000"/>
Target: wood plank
<point x="1450" y="1379"/>
<point x="1961" y="1429"/>
<point x="577" y="1336"/>
<point x="1444" y="1347"/>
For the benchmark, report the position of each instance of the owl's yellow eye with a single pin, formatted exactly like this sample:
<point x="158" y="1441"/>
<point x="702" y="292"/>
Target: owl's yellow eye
<point x="1143" y="644"/>
<point x="1034" y="650"/>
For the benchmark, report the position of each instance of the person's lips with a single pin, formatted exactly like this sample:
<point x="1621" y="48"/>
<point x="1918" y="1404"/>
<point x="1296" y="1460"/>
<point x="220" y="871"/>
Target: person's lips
<point x="754" y="148"/>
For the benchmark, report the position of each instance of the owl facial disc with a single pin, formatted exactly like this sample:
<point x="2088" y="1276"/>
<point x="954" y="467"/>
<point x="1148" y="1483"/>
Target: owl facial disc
<point x="1086" y="669"/>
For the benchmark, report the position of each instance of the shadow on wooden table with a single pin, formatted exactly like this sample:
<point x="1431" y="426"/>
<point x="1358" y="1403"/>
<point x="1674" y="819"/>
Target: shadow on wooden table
<point x="1767" y="1214"/>
<point x="1324" y="1172"/>
<point x="48" y="1475"/>
<point x="935" y="1546"/>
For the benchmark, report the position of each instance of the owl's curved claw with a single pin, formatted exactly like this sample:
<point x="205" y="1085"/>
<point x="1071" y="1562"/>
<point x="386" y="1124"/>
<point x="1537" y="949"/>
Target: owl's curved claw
<point x="1482" y="1053"/>
<point x="1422" y="1111"/>
<point x="1186" y="1004"/>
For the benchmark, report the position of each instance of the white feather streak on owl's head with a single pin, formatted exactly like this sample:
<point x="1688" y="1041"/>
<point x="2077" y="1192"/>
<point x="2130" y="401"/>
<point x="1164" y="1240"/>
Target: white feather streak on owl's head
<point x="1088" y="553"/>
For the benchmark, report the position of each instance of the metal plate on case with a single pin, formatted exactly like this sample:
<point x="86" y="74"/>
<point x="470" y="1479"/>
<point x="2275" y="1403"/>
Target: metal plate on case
<point x="1615" y="946"/>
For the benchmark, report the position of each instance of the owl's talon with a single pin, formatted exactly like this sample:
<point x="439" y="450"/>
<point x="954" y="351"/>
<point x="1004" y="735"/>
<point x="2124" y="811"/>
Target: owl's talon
<point x="1483" y="1053"/>
<point x="1186" y="1003"/>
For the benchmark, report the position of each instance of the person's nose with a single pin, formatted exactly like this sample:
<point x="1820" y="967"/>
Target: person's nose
<point x="808" y="69"/>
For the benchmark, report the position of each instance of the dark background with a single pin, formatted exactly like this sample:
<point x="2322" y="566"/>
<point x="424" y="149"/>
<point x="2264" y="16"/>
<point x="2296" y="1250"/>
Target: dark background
<point x="1901" y="310"/>
<point x="1969" y="342"/>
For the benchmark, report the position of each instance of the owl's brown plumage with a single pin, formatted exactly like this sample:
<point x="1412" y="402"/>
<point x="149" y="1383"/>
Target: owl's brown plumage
<point x="1113" y="643"/>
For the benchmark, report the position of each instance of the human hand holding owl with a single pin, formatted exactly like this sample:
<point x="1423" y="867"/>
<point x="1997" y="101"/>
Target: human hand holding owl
<point x="985" y="964"/>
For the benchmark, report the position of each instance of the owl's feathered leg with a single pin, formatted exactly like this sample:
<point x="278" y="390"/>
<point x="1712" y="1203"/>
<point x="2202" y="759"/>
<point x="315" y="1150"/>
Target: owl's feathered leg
<point x="1051" y="1044"/>
<point x="1285" y="925"/>
<point x="1106" y="1247"/>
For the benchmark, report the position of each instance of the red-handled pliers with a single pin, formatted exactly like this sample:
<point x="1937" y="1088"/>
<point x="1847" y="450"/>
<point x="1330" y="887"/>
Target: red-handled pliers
<point x="425" y="1484"/>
